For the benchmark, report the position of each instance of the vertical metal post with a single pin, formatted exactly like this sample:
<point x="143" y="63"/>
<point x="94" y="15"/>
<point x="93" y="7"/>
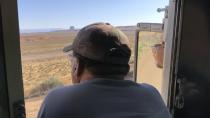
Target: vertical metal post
<point x="168" y="51"/>
<point x="136" y="54"/>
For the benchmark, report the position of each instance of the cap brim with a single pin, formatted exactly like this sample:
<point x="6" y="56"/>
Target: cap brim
<point x="68" y="48"/>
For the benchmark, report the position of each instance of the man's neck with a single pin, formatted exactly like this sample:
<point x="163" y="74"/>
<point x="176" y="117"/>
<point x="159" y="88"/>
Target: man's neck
<point x="86" y="75"/>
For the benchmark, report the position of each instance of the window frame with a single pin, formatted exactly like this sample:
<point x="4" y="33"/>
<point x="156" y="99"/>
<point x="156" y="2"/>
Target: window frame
<point x="12" y="59"/>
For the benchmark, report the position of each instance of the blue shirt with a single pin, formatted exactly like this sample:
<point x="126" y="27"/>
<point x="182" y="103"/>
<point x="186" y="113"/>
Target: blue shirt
<point x="104" y="98"/>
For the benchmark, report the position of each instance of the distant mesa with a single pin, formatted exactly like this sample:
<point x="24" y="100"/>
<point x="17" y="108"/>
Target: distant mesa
<point x="72" y="28"/>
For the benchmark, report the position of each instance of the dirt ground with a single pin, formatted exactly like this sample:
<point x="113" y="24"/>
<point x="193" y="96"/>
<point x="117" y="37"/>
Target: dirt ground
<point x="32" y="106"/>
<point x="147" y="70"/>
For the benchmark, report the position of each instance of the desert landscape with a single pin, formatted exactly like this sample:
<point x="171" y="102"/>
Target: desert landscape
<point x="45" y="66"/>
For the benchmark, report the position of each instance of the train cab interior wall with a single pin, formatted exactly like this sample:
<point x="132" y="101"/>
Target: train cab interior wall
<point x="193" y="61"/>
<point x="4" y="109"/>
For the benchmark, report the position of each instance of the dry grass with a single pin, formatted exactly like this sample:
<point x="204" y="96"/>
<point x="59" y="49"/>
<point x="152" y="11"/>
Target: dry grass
<point x="35" y="72"/>
<point x="42" y="58"/>
<point x="44" y="87"/>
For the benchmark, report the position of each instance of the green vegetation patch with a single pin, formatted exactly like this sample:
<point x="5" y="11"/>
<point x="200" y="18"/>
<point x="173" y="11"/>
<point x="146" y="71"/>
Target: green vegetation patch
<point x="44" y="87"/>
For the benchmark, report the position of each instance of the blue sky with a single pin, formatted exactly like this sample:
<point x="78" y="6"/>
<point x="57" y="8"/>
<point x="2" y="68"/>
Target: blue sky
<point x="39" y="14"/>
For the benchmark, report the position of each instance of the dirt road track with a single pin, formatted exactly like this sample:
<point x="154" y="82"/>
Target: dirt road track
<point x="147" y="70"/>
<point x="32" y="106"/>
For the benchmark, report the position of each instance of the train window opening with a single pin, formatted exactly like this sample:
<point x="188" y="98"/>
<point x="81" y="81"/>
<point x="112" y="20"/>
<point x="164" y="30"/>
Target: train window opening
<point x="150" y="58"/>
<point x="45" y="66"/>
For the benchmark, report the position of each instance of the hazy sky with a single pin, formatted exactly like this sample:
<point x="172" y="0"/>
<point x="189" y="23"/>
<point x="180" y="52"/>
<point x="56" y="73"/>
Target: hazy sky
<point x="38" y="14"/>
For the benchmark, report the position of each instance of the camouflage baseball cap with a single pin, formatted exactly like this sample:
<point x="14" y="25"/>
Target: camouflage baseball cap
<point x="101" y="42"/>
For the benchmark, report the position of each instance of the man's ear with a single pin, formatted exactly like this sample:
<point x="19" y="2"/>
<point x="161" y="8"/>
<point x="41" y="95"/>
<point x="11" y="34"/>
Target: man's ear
<point x="74" y="70"/>
<point x="76" y="67"/>
<point x="80" y="68"/>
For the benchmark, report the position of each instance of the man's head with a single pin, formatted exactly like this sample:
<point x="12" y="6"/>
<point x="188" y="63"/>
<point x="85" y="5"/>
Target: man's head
<point x="99" y="51"/>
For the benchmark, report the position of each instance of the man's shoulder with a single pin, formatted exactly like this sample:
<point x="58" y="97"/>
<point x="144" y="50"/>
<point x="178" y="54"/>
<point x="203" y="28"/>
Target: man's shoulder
<point x="91" y="87"/>
<point x="65" y="90"/>
<point x="148" y="87"/>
